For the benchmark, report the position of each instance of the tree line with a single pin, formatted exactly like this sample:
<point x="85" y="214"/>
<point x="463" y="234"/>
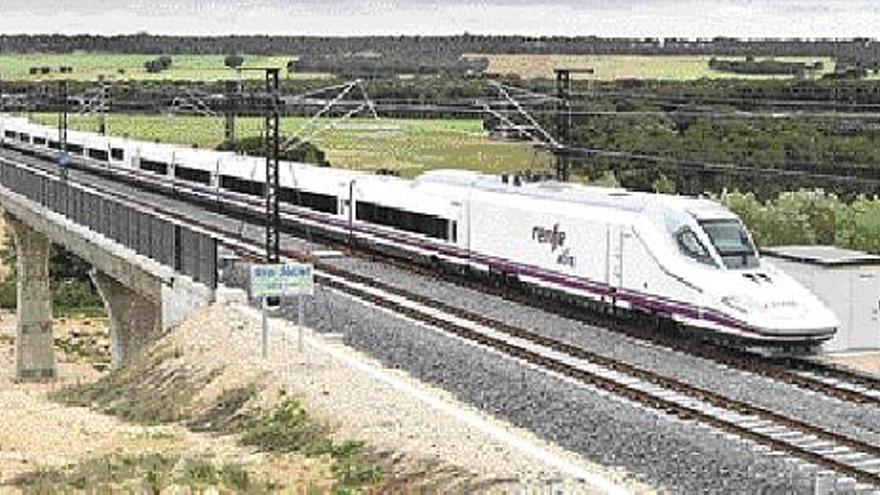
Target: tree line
<point x="802" y="152"/>
<point x="854" y="51"/>
<point x="809" y="217"/>
<point x="377" y="64"/>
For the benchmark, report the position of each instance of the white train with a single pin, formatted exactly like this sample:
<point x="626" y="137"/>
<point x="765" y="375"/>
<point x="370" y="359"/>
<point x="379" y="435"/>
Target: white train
<point x="685" y="259"/>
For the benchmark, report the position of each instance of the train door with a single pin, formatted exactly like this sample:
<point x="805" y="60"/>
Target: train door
<point x="348" y="208"/>
<point x="614" y="268"/>
<point x="456" y="214"/>
<point x="216" y="180"/>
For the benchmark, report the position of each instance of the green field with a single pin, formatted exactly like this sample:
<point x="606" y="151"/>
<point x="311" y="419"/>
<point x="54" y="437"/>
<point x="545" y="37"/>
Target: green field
<point x="610" y="67"/>
<point x="114" y="66"/>
<point x="88" y="66"/>
<point x="408" y="146"/>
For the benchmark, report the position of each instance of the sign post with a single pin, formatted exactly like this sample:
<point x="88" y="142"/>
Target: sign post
<point x="280" y="280"/>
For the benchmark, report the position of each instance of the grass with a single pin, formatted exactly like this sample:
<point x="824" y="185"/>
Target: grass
<point x="610" y="67"/>
<point x="88" y="66"/>
<point x="289" y="428"/>
<point x="150" y="389"/>
<point x="144" y="473"/>
<point x="158" y="388"/>
<point x="408" y="146"/>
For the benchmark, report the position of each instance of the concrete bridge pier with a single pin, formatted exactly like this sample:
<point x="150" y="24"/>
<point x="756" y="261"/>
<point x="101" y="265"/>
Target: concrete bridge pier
<point x="34" y="343"/>
<point x="135" y="321"/>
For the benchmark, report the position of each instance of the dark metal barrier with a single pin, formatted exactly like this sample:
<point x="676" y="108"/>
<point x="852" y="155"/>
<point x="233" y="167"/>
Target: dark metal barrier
<point x="187" y="251"/>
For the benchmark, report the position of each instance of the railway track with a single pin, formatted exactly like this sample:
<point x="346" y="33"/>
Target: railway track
<point x="833" y="381"/>
<point x="807" y="373"/>
<point x="844" y="455"/>
<point x="849" y="457"/>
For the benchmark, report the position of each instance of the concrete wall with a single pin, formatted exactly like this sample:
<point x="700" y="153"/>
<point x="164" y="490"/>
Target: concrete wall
<point x="34" y="340"/>
<point x="144" y="298"/>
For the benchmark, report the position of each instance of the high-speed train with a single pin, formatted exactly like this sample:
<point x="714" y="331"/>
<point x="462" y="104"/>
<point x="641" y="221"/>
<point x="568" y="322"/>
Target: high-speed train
<point x="678" y="258"/>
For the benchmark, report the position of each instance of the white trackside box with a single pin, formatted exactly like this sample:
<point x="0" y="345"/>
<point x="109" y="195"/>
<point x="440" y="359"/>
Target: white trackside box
<point x="848" y="282"/>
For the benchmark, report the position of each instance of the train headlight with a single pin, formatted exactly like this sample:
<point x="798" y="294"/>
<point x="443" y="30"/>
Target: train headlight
<point x="743" y="304"/>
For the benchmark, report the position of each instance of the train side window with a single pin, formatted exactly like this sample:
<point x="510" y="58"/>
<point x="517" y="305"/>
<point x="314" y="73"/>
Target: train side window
<point x="241" y="186"/>
<point x="100" y="155"/>
<point x="689" y="245"/>
<point x="117" y="154"/>
<point x="418" y="223"/>
<point x="314" y="201"/>
<point x="154" y="166"/>
<point x="192" y="174"/>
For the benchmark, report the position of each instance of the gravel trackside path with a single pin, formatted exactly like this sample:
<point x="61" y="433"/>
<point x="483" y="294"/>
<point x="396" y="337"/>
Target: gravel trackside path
<point x="390" y="410"/>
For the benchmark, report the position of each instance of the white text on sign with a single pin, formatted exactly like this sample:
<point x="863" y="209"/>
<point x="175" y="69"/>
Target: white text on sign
<point x="290" y="279"/>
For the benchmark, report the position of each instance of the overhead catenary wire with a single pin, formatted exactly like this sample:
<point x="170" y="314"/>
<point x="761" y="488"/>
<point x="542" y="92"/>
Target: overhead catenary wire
<point x="320" y="112"/>
<point x="716" y="166"/>
<point x="512" y="99"/>
<point x="506" y="95"/>
<point x="724" y="100"/>
<point x="700" y="165"/>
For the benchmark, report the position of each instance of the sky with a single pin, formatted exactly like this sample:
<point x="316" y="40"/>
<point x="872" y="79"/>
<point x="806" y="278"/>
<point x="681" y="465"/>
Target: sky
<point x="625" y="18"/>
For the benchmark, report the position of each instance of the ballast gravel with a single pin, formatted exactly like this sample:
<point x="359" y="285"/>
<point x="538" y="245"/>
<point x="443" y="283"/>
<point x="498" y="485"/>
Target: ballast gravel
<point x="673" y="455"/>
<point x="857" y="421"/>
<point x="670" y="454"/>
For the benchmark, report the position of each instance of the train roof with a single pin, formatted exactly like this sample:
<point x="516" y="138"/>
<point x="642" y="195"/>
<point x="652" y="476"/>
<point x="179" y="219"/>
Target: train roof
<point x="455" y="181"/>
<point x="616" y="198"/>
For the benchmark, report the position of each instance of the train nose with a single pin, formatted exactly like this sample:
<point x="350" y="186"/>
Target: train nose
<point x="777" y="305"/>
<point x="784" y="317"/>
<point x="768" y="307"/>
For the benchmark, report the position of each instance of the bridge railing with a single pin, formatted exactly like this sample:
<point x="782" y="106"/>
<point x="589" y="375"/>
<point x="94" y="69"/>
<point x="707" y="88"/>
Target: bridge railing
<point x="187" y="251"/>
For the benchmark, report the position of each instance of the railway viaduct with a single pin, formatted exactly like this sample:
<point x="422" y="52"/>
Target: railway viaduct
<point x="150" y="271"/>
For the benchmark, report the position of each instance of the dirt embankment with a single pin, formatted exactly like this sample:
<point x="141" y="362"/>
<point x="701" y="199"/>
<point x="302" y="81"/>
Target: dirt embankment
<point x="203" y="410"/>
<point x="4" y="270"/>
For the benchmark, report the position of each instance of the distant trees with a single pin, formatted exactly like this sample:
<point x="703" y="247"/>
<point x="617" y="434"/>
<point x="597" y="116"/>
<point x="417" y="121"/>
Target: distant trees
<point x="809" y="217"/>
<point x="850" y="52"/>
<point x="233" y="61"/>
<point x="678" y="143"/>
<point x="767" y="66"/>
<point x="304" y="152"/>
<point x="378" y="64"/>
<point x="158" y="64"/>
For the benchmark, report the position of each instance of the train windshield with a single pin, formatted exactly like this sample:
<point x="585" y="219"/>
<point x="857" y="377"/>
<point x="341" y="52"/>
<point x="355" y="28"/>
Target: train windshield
<point x="731" y="242"/>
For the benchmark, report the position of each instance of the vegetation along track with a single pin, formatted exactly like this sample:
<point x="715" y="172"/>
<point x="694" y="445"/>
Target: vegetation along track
<point x="844" y="455"/>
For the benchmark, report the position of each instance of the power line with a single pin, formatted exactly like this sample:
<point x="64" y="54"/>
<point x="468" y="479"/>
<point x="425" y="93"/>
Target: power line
<point x="751" y="100"/>
<point x="708" y="166"/>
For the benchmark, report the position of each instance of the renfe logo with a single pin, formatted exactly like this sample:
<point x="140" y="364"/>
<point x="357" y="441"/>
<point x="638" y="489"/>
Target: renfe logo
<point x="554" y="237"/>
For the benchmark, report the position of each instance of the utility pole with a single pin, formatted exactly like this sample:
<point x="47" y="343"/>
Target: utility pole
<point x="273" y="215"/>
<point x="62" y="116"/>
<point x="102" y="108"/>
<point x="233" y="92"/>
<point x="63" y="158"/>
<point x="563" y="120"/>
